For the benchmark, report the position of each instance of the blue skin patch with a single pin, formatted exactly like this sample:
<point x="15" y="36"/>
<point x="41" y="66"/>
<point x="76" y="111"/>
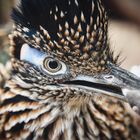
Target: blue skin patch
<point x="32" y="55"/>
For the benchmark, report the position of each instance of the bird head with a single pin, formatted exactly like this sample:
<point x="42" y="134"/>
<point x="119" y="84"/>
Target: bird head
<point x="60" y="51"/>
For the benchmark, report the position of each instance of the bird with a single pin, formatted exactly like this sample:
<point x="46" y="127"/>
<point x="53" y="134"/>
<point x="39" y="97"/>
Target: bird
<point x="65" y="82"/>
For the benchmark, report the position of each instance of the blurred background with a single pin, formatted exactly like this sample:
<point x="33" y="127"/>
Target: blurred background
<point x="124" y="29"/>
<point x="5" y="27"/>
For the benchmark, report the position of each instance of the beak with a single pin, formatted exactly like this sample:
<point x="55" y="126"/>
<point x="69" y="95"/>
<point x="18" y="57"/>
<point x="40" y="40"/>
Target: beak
<point x="117" y="83"/>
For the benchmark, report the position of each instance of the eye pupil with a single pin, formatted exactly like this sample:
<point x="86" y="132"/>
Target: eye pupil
<point x="53" y="64"/>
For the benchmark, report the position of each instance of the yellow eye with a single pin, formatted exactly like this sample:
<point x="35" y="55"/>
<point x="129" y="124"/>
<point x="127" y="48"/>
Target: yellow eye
<point x="52" y="65"/>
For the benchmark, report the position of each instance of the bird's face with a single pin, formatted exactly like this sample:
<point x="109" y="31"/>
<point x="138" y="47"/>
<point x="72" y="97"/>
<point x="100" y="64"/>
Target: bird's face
<point x="64" y="55"/>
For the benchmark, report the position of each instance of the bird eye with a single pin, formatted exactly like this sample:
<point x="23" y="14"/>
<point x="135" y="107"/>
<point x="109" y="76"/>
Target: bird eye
<point x="46" y="63"/>
<point x="52" y="65"/>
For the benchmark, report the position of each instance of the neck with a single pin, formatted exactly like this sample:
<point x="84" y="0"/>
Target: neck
<point x="93" y="118"/>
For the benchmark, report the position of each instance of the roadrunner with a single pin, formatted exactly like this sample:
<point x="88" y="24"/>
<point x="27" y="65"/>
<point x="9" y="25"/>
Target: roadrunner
<point x="65" y="83"/>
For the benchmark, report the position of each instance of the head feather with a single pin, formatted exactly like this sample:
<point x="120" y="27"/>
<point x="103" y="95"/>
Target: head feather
<point x="67" y="29"/>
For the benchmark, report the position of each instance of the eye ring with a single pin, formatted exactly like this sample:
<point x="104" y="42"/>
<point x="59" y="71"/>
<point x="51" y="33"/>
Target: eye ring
<point x="52" y="65"/>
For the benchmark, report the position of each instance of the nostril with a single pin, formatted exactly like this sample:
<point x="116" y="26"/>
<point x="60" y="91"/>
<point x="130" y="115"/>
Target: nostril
<point x="109" y="77"/>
